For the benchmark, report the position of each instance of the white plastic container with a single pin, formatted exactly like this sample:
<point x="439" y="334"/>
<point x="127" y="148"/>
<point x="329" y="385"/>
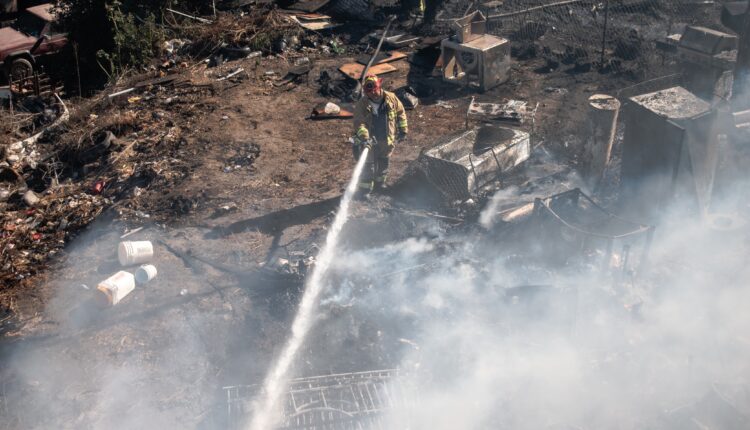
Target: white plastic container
<point x="145" y="273"/>
<point x="130" y="253"/>
<point x="116" y="287"/>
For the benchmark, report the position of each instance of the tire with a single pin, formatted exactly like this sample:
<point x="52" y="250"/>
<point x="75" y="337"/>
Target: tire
<point x="19" y="70"/>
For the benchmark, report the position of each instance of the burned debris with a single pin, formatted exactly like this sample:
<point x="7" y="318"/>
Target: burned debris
<point x="475" y="58"/>
<point x="681" y="123"/>
<point x="237" y="211"/>
<point x="463" y="164"/>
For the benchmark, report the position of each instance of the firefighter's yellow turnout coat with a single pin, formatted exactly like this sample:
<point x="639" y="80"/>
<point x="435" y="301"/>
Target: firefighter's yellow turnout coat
<point x="364" y="119"/>
<point x="387" y="126"/>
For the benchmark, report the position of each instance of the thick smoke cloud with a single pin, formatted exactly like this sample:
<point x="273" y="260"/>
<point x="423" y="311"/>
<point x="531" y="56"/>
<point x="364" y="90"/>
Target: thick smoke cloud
<point x="485" y="338"/>
<point x="503" y="346"/>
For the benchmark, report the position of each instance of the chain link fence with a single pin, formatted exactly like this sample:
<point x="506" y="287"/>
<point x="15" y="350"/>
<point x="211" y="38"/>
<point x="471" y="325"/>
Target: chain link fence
<point x="610" y="35"/>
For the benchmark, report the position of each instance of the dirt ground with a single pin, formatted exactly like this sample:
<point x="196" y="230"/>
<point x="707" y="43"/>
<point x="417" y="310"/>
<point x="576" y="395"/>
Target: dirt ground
<point x="174" y="343"/>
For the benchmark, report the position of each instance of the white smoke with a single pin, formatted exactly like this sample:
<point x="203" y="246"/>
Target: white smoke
<point x="623" y="356"/>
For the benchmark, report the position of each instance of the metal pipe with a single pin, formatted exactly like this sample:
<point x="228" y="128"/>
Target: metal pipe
<point x="377" y="51"/>
<point x="199" y="19"/>
<point x="742" y="66"/>
<point x="120" y="93"/>
<point x="474" y="172"/>
<point x="625" y="258"/>
<point x="604" y="32"/>
<point x="642" y="267"/>
<point x="532" y="9"/>
<point x="608" y="254"/>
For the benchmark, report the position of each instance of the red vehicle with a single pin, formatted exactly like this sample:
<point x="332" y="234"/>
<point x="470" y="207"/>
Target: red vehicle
<point x="35" y="34"/>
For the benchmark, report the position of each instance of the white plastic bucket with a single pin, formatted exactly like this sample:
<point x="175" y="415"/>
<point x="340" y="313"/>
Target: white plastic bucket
<point x="116" y="287"/>
<point x="135" y="252"/>
<point x="145" y="273"/>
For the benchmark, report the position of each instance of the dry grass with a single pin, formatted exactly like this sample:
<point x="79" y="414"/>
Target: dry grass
<point x="12" y="125"/>
<point x="256" y="30"/>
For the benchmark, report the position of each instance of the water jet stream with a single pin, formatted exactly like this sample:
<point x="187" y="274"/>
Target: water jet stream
<point x="264" y="407"/>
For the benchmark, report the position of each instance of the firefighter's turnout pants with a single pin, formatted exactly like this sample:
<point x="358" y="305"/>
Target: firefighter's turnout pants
<point x="375" y="172"/>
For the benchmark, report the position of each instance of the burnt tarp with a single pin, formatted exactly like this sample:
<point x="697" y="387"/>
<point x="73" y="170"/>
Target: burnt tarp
<point x="669" y="152"/>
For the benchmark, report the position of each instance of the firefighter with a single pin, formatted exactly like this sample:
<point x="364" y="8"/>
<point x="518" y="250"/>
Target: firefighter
<point x="428" y="8"/>
<point x="379" y="123"/>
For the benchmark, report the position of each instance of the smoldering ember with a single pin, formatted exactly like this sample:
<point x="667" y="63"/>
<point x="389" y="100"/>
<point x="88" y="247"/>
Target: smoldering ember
<point x="370" y="214"/>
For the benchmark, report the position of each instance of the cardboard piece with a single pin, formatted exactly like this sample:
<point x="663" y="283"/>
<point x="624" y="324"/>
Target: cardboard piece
<point x="315" y="22"/>
<point x="354" y="70"/>
<point x="312" y="17"/>
<point x="383" y="57"/>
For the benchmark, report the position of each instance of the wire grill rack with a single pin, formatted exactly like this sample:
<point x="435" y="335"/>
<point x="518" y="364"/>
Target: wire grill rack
<point x="344" y="401"/>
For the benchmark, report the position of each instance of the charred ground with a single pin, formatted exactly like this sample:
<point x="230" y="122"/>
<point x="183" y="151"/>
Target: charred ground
<point x="226" y="176"/>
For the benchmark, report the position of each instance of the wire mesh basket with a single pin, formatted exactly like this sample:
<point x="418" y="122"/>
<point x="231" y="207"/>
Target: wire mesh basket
<point x="460" y="164"/>
<point x="572" y="224"/>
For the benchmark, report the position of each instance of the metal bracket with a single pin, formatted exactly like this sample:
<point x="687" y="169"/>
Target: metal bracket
<point x="474" y="172"/>
<point x="499" y="169"/>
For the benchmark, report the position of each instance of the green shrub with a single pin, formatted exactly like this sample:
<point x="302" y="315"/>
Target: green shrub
<point x="113" y="35"/>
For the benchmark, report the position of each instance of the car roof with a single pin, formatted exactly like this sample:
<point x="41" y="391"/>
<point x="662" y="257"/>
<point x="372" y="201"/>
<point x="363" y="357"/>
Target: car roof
<point x="43" y="11"/>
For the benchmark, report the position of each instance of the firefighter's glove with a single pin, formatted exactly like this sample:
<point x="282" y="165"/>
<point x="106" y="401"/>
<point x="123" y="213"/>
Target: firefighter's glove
<point x="362" y="133"/>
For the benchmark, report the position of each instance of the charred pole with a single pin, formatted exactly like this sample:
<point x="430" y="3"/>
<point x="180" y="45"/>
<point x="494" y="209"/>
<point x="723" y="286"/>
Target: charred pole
<point x="740" y="93"/>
